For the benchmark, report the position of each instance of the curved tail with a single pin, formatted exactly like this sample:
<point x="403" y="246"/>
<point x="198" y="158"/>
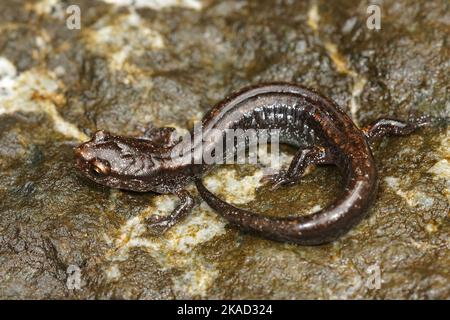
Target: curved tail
<point x="314" y="229"/>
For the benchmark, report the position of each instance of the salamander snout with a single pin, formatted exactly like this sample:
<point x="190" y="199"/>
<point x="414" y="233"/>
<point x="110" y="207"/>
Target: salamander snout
<point x="91" y="157"/>
<point x="78" y="151"/>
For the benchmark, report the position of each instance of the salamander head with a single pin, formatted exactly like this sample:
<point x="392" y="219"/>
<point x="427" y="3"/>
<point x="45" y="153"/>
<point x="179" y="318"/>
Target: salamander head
<point x="120" y="162"/>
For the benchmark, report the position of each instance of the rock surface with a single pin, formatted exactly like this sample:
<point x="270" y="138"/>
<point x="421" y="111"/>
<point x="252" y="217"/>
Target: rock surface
<point x="166" y="63"/>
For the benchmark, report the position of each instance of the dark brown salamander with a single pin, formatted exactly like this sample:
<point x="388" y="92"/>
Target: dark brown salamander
<point x="323" y="133"/>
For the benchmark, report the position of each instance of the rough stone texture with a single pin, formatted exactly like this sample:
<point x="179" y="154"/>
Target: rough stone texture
<point x="167" y="65"/>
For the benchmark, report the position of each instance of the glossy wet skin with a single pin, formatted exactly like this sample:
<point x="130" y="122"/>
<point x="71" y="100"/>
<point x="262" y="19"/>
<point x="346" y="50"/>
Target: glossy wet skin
<point x="119" y="162"/>
<point x="323" y="133"/>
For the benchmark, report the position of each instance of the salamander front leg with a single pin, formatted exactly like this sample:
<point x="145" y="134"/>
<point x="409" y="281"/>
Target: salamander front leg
<point x="302" y="159"/>
<point x="162" y="224"/>
<point x="391" y="127"/>
<point x="164" y="136"/>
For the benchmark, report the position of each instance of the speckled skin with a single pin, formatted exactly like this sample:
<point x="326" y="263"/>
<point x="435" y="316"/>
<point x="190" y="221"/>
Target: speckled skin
<point x="323" y="133"/>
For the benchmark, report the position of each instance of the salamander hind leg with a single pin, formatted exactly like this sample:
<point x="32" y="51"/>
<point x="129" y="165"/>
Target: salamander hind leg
<point x="302" y="159"/>
<point x="164" y="136"/>
<point x="392" y="127"/>
<point x="160" y="225"/>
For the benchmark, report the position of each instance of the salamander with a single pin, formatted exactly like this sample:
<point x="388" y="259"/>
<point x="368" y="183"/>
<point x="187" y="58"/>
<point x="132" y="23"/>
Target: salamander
<point x="320" y="130"/>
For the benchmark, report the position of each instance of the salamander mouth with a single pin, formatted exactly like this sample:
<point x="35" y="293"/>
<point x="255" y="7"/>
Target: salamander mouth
<point x="79" y="162"/>
<point x="78" y="151"/>
<point x="80" y="158"/>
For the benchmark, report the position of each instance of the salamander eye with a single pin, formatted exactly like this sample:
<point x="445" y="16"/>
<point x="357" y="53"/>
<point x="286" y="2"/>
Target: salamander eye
<point x="101" y="135"/>
<point x="100" y="167"/>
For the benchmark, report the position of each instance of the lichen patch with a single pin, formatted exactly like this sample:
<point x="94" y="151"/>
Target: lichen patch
<point x="441" y="169"/>
<point x="341" y="63"/>
<point x="35" y="90"/>
<point x="122" y="37"/>
<point x="158" y="4"/>
<point x="176" y="248"/>
<point x="412" y="197"/>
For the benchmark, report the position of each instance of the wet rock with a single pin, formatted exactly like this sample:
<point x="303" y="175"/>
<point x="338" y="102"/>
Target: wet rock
<point x="62" y="236"/>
